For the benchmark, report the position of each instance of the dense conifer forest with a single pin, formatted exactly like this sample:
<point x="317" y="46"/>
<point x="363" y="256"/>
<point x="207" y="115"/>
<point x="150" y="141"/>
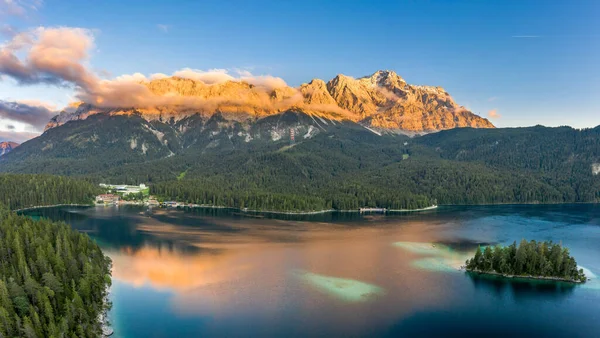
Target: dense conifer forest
<point x="341" y="171"/>
<point x="19" y="191"/>
<point x="52" y="279"/>
<point x="532" y="259"/>
<point x="342" y="167"/>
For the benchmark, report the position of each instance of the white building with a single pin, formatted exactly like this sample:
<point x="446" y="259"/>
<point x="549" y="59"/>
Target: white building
<point x="125" y="189"/>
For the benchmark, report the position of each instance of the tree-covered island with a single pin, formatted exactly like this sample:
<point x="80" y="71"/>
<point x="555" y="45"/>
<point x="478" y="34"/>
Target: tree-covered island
<point x="538" y="260"/>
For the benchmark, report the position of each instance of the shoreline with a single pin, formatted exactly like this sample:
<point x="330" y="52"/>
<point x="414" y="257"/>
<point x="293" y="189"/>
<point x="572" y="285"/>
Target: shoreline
<point x="105" y="325"/>
<point x="53" y="206"/>
<point x="300" y="213"/>
<point x="515" y="203"/>
<point x="540" y="278"/>
<point x="368" y="210"/>
<point x="249" y="211"/>
<point x="432" y="207"/>
<point x="315" y="212"/>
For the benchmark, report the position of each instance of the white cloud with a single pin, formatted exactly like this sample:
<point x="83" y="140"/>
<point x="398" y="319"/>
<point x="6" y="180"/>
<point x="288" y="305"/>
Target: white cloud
<point x="493" y="114"/>
<point x="267" y="81"/>
<point x="135" y="77"/>
<point x="158" y="76"/>
<point x="211" y="76"/>
<point x="242" y="72"/>
<point x="49" y="55"/>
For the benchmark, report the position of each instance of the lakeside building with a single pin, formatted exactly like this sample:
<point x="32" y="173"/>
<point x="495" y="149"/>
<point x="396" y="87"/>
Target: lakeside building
<point x="107" y="199"/>
<point x="125" y="189"/>
<point x="153" y="201"/>
<point x="376" y="210"/>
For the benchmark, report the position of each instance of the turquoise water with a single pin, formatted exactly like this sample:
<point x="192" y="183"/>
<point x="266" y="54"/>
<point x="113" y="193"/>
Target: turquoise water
<point x="220" y="273"/>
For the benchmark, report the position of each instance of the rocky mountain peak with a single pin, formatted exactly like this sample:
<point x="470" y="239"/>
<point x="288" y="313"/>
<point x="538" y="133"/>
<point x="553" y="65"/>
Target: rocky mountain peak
<point x="316" y="83"/>
<point x="382" y="100"/>
<point x="316" y="93"/>
<point x="385" y="78"/>
<point x="6" y="147"/>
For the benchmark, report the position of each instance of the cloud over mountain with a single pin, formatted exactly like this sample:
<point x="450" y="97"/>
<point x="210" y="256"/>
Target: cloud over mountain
<point x="33" y="113"/>
<point x="13" y="136"/>
<point x="60" y="56"/>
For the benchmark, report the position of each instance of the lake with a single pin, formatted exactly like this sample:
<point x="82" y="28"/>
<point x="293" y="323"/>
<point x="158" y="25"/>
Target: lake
<point x="210" y="272"/>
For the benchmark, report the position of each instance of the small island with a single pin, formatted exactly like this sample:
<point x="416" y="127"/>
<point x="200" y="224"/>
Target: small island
<point x="533" y="260"/>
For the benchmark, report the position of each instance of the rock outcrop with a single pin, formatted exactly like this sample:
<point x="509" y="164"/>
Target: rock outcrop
<point x="6" y="147"/>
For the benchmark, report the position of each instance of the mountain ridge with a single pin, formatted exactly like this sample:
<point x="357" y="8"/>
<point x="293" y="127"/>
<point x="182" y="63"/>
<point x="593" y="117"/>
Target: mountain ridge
<point x="301" y="162"/>
<point x="382" y="100"/>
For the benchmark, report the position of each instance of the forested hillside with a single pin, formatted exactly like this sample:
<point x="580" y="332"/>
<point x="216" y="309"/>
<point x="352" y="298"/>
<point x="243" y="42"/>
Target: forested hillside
<point x="329" y="164"/>
<point x="561" y="158"/>
<point x="341" y="171"/>
<point x="52" y="279"/>
<point x="19" y="191"/>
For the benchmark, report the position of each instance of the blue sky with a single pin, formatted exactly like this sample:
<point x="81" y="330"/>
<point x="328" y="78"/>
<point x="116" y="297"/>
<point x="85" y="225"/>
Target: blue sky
<point x="534" y="62"/>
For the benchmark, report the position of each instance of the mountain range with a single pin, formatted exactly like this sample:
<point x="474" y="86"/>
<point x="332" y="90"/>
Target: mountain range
<point x="383" y="101"/>
<point x="345" y="144"/>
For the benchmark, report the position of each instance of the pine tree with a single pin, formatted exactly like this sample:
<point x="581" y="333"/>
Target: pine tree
<point x="488" y="258"/>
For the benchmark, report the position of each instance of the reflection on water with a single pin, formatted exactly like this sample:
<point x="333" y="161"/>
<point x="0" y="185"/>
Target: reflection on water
<point x="168" y="268"/>
<point x="521" y="287"/>
<point x="216" y="272"/>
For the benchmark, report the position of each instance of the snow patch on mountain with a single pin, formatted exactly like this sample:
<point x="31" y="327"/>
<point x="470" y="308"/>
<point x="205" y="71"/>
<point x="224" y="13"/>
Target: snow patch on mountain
<point x="596" y="168"/>
<point x="6" y="147"/>
<point x="317" y="123"/>
<point x="133" y="143"/>
<point x="311" y="132"/>
<point x="373" y="131"/>
<point x="159" y="135"/>
<point x="275" y="136"/>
